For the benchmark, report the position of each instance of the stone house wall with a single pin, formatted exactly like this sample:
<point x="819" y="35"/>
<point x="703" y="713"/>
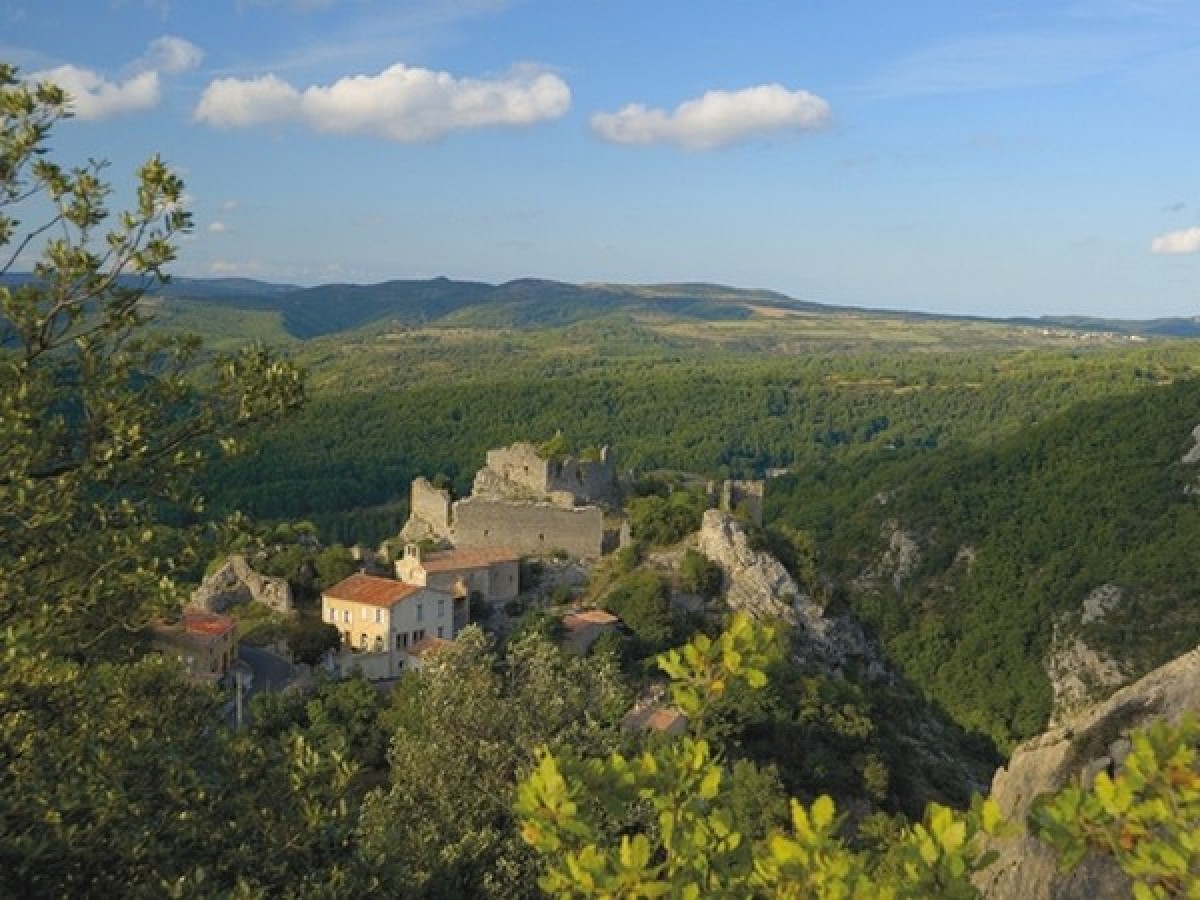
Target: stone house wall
<point x="536" y="528"/>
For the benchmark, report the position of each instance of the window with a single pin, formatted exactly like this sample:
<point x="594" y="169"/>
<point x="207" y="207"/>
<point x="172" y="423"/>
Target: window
<point x="331" y="614"/>
<point x="420" y="611"/>
<point x="441" y="606"/>
<point x="441" y="631"/>
<point x="401" y="641"/>
<point x="346" y="617"/>
<point x="378" y="616"/>
<point x="418" y="635"/>
<point x="362" y="641"/>
<point x="378" y="643"/>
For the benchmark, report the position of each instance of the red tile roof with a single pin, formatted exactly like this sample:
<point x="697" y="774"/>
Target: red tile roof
<point x="425" y="646"/>
<point x="208" y="624"/>
<point x="466" y="558"/>
<point x="372" y="590"/>
<point x="589" y="617"/>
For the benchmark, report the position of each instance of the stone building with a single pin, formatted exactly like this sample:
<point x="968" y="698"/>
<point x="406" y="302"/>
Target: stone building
<point x="528" y="528"/>
<point x="584" y="628"/>
<point x="522" y="502"/>
<point x="205" y="643"/>
<point x="381" y="620"/>
<point x="492" y="572"/>
<point x="519" y="471"/>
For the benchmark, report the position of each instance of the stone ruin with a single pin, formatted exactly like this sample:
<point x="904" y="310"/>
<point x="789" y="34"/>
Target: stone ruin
<point x="235" y="583"/>
<point x="739" y="497"/>
<point x="519" y="472"/>
<point x="522" y="501"/>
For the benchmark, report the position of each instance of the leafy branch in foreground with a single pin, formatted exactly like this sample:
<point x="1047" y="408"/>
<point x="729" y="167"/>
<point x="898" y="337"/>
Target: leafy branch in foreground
<point x="101" y="426"/>
<point x="1146" y="816"/>
<point x="662" y="825"/>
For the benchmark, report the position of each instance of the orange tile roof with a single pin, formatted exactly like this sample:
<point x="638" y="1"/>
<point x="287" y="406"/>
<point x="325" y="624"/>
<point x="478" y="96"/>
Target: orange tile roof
<point x="372" y="590"/>
<point x="428" y="645"/>
<point x="664" y="719"/>
<point x="466" y="558"/>
<point x="589" y="617"/>
<point x="213" y="624"/>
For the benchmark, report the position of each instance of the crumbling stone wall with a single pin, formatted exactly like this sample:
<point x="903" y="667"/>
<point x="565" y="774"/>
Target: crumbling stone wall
<point x="236" y="583"/>
<point x="518" y="472"/>
<point x="431" y="505"/>
<point x="528" y="528"/>
<point x="733" y="496"/>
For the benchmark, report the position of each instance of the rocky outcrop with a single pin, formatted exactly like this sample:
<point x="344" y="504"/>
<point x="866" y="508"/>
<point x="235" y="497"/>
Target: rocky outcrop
<point x="1100" y="602"/>
<point x="235" y="583"/>
<point x="1096" y="739"/>
<point x="1193" y="455"/>
<point x="898" y="561"/>
<point x="757" y="583"/>
<point x="1079" y="674"/>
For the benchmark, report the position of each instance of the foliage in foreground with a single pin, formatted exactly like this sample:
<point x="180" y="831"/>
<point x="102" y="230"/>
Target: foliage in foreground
<point x="1147" y="816"/>
<point x="680" y="836"/>
<point x="661" y="824"/>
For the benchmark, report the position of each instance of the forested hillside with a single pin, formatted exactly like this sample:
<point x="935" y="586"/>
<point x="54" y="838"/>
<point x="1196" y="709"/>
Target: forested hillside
<point x="1012" y="534"/>
<point x="724" y="413"/>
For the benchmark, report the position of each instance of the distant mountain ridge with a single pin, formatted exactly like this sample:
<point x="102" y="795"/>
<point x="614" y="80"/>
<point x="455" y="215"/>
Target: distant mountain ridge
<point x="326" y="309"/>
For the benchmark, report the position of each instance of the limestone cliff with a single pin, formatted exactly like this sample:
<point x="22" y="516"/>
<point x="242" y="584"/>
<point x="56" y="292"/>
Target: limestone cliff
<point x="758" y="584"/>
<point x="1093" y="740"/>
<point x="1081" y="675"/>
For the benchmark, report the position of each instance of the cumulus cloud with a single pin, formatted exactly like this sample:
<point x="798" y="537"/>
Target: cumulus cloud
<point x="237" y="102"/>
<point x="172" y="55"/>
<point x="401" y="103"/>
<point x="217" y="227"/>
<point x="94" y="96"/>
<point x="717" y="119"/>
<point x="1186" y="240"/>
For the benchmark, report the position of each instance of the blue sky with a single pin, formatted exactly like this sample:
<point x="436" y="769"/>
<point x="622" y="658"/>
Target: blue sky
<point x="997" y="158"/>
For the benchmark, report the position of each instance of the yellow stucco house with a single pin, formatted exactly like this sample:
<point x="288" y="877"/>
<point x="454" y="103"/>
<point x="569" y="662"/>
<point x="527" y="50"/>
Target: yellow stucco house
<point x="382" y="620"/>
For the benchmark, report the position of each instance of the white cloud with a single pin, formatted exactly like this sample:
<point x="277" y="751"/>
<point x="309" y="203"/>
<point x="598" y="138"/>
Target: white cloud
<point x="95" y="97"/>
<point x="716" y="119"/>
<point x="172" y="55"/>
<point x="401" y="103"/>
<point x="1186" y="240"/>
<point x="217" y="227"/>
<point x="234" y="102"/>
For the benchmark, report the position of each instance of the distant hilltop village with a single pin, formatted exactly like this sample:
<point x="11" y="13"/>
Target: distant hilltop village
<point x="528" y="500"/>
